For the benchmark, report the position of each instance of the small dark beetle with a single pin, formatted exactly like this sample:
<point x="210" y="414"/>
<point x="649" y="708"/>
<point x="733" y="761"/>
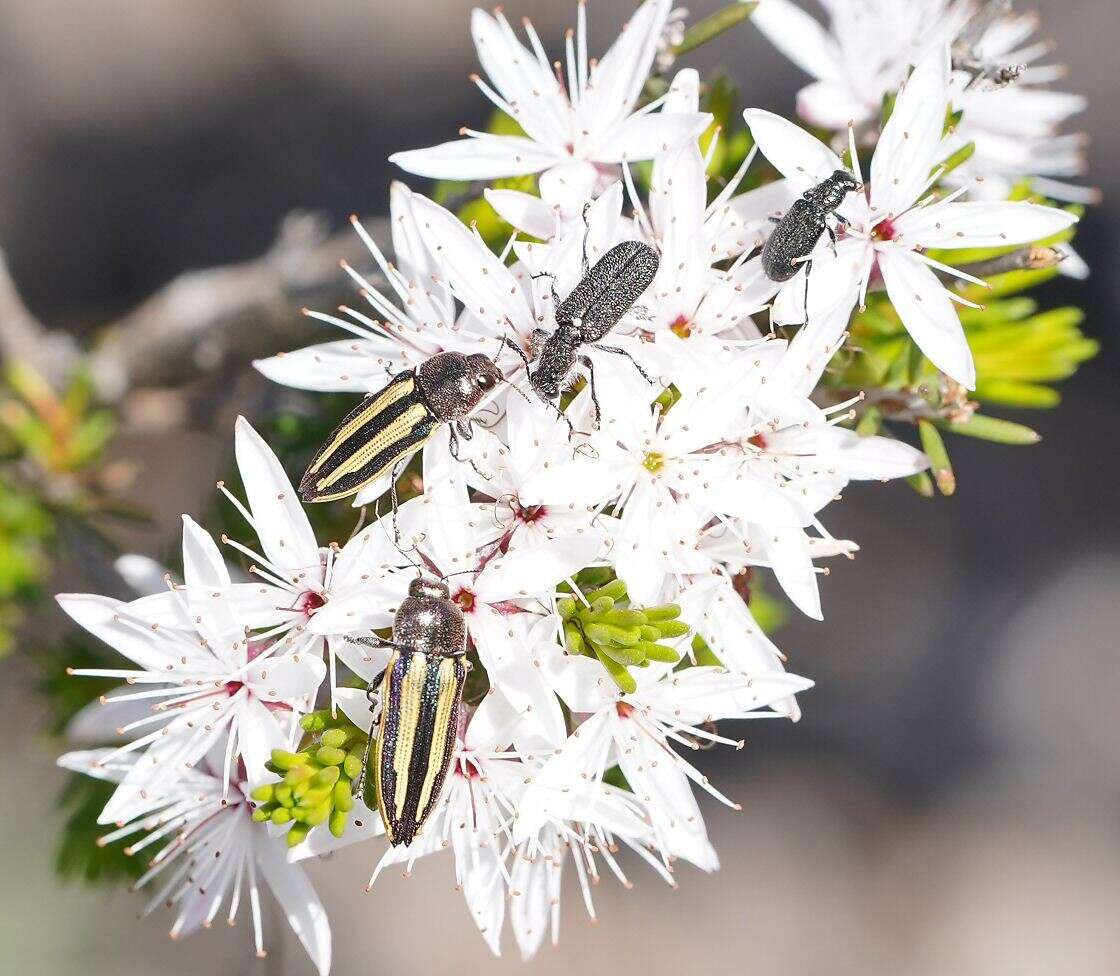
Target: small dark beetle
<point x="606" y="292"/>
<point x="420" y="693"/>
<point x="806" y="221"/>
<point x="387" y="427"/>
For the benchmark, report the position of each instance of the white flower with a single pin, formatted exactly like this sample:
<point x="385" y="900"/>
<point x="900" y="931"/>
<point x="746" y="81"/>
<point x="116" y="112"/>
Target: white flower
<point x="573" y="125"/>
<point x="210" y="679"/>
<point x="1015" y="127"/>
<point x="891" y="226"/>
<point x="213" y="855"/>
<point x="863" y="55"/>
<point x="635" y="731"/>
<point x="869" y="47"/>
<point x="534" y="440"/>
<point x="399" y="332"/>
<point x="306" y="593"/>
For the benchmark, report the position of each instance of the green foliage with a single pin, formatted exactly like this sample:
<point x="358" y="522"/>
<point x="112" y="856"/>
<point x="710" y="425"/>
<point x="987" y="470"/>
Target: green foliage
<point x="713" y="25"/>
<point x="81" y="855"/>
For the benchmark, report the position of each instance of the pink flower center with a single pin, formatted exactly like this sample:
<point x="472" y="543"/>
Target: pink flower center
<point x="531" y="513"/>
<point x="624" y="709"/>
<point x="466" y="600"/>
<point x="309" y="602"/>
<point x="682" y="326"/>
<point x="885" y="230"/>
<point x="758" y="440"/>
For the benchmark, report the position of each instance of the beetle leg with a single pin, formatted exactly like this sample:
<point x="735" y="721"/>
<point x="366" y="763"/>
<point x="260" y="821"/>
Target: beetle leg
<point x="507" y="341"/>
<point x="586" y="361"/>
<point x="585" y="265"/>
<point x="552" y="280"/>
<point x="623" y="352"/>
<point x="378" y="643"/>
<point x="397" y="471"/>
<point x="462" y="428"/>
<point x="773" y="219"/>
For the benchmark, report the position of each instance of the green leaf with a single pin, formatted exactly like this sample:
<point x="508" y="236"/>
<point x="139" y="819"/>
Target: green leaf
<point x="1011" y="393"/>
<point x="996" y="430"/>
<point x="940" y="465"/>
<point x="714" y="25"/>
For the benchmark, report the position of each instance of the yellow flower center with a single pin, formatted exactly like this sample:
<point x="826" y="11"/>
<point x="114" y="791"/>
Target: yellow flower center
<point x="653" y="462"/>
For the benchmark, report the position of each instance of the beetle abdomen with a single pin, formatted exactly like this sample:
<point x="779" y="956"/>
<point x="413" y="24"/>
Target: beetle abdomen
<point x="609" y="290"/>
<point x="794" y="237"/>
<point x="420" y="700"/>
<point x="384" y="428"/>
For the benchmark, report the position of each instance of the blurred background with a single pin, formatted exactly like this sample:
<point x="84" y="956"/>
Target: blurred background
<point x="949" y="803"/>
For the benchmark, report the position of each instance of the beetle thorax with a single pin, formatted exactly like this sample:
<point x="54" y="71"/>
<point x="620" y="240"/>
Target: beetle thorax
<point x="428" y="621"/>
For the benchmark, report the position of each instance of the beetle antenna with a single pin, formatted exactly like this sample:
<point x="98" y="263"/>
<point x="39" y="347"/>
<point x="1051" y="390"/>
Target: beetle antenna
<point x="458" y="573"/>
<point x="397" y="541"/>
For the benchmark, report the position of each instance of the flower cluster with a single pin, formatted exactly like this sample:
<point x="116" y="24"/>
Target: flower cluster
<point x="604" y="548"/>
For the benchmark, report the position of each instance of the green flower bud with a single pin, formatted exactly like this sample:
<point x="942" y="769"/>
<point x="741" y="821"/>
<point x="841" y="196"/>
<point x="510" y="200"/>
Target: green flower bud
<point x="263" y="794"/>
<point x="659" y="652"/>
<point x="667" y="611"/>
<point x="623" y="655"/>
<point x="610" y="634"/>
<point x="352" y="764"/>
<point x="287" y="760"/>
<point x="337" y="822"/>
<point x="333" y="739"/>
<point x="330" y="756"/>
<point x="615" y="589"/>
<point x="673" y="628"/>
<point x="281" y="815"/>
<point x="297" y="834"/>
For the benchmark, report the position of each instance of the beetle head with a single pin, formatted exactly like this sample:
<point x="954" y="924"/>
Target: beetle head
<point x="830" y="193"/>
<point x="455" y="384"/>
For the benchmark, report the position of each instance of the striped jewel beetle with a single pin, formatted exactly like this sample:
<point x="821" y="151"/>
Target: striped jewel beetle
<point x="389" y="426"/>
<point x="604" y="294"/>
<point x="420" y="692"/>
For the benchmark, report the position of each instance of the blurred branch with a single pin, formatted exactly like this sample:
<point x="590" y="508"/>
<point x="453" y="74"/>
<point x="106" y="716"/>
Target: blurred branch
<point x="205" y="320"/>
<point x="1024" y="259"/>
<point x="24" y="339"/>
<point x="218" y="317"/>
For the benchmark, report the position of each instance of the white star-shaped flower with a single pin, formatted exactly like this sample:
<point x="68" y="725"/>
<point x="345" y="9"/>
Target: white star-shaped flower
<point x="892" y="224"/>
<point x="210" y="679"/>
<point x="397" y="331"/>
<point x="212" y="856"/>
<point x="573" y="125"/>
<point x="636" y="732"/>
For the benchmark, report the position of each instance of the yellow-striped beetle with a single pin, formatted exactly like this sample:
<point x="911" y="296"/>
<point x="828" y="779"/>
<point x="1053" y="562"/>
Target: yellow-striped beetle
<point x="420" y="691"/>
<point x="389" y="426"/>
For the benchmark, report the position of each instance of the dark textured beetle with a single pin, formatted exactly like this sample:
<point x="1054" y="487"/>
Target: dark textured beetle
<point x="421" y="692"/>
<point x="605" y="293"/>
<point x="800" y="230"/>
<point x="387" y="427"/>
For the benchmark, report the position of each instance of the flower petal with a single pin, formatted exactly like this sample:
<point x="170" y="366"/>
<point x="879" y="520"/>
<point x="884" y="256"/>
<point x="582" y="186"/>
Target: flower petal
<point x="799" y="156"/>
<point x="800" y="37"/>
<point x="981" y="224"/>
<point x="476" y="275"/>
<point x="279" y="519"/>
<point x="485" y="157"/>
<point x="928" y="314"/>
<point x="524" y="211"/>
<point x="616" y="81"/>
<point x="297" y="898"/>
<point x="345" y="366"/>
<point x="907" y="149"/>
<point x="645" y="136"/>
<point x="832" y="105"/>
